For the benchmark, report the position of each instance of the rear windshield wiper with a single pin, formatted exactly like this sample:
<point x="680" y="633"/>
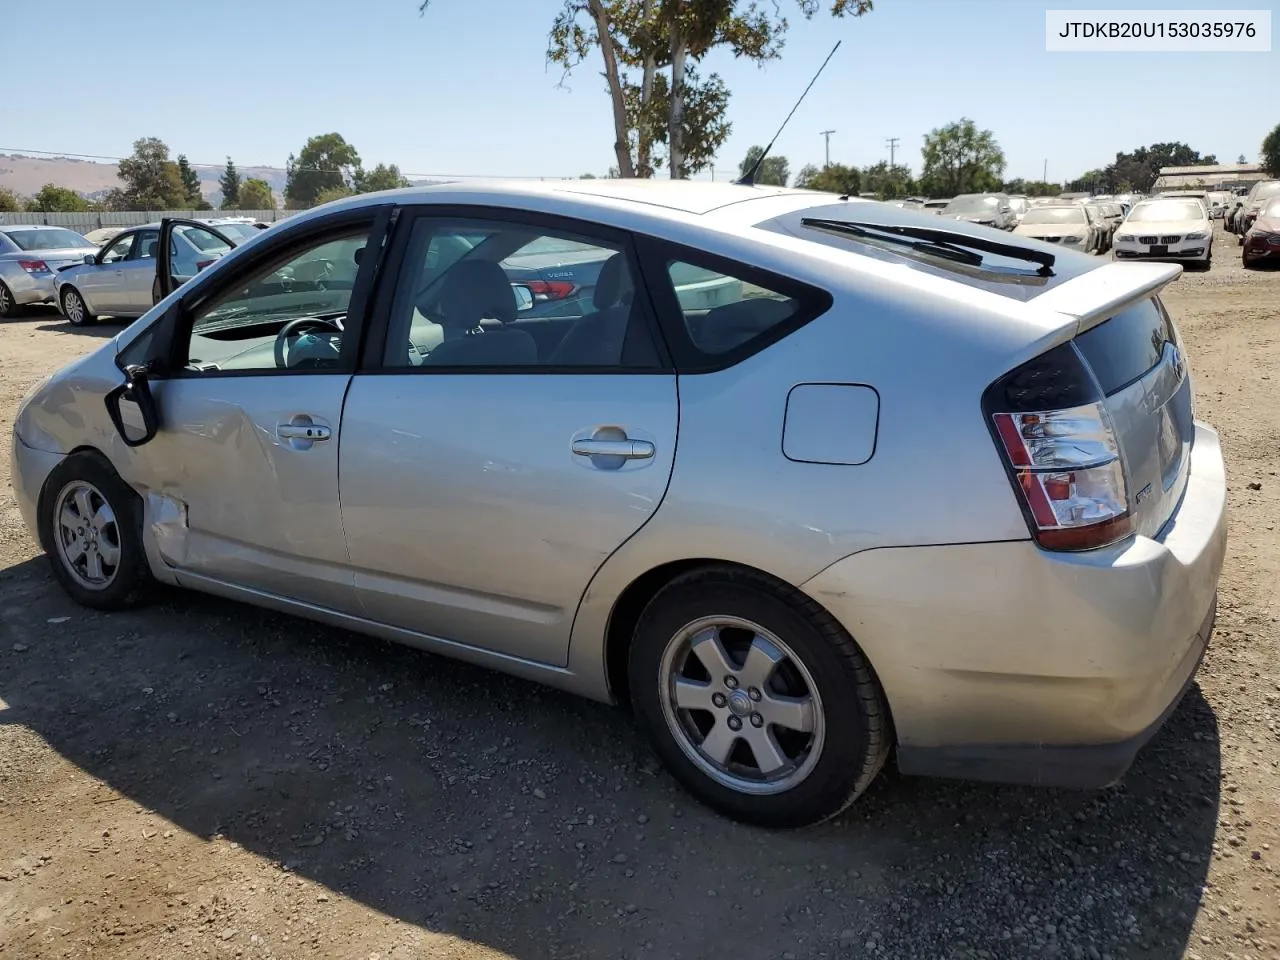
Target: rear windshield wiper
<point x="947" y="244"/>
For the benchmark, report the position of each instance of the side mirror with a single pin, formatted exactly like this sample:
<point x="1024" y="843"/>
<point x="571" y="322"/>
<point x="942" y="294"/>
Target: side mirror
<point x="132" y="408"/>
<point x="524" y="297"/>
<point x="90" y="259"/>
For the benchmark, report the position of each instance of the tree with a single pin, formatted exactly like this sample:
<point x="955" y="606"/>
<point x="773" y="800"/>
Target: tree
<point x="650" y="51"/>
<point x="380" y="177"/>
<point x="774" y="171"/>
<point x="1241" y="159"/>
<point x="325" y="163"/>
<point x="190" y="181"/>
<point x="888" y="181"/>
<point x="255" y="194"/>
<point x="1139" y="169"/>
<point x="587" y="176"/>
<point x="1032" y="188"/>
<point x="836" y="178"/>
<point x="10" y="202"/>
<point x="960" y="158"/>
<point x="152" y="181"/>
<point x="55" y="199"/>
<point x="330" y="194"/>
<point x="230" y="183"/>
<point x="1271" y="153"/>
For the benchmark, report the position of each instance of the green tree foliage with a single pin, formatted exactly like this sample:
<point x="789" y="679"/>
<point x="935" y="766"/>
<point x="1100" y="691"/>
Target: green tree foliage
<point x="381" y="177"/>
<point x="664" y="110"/>
<point x="190" y="181"/>
<point x="1271" y="152"/>
<point x="255" y="194"/>
<point x="325" y="164"/>
<point x="10" y="202"/>
<point x="152" y="181"/>
<point x="775" y="171"/>
<point x="960" y="158"/>
<point x="330" y="194"/>
<point x="1033" y="188"/>
<point x="230" y="183"/>
<point x="1139" y="169"/>
<point x="887" y="181"/>
<point x="836" y="178"/>
<point x="1241" y="159"/>
<point x="55" y="199"/>
<point x="587" y="176"/>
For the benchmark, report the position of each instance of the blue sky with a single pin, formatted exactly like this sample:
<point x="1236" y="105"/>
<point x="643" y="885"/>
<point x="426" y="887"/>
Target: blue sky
<point x="464" y="90"/>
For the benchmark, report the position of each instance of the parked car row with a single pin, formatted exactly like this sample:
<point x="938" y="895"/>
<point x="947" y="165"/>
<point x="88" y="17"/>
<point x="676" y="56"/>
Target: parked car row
<point x="1240" y="219"/>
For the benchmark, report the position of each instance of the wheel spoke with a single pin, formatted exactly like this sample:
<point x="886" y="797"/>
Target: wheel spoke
<point x="794" y="713"/>
<point x="75" y="549"/>
<point x="84" y="503"/>
<point x="93" y="565"/>
<point x="719" y="741"/>
<point x="762" y="658"/>
<point x="693" y="695"/>
<point x="104" y="517"/>
<point x="707" y="648"/>
<point x="110" y="553"/>
<point x="769" y="757"/>
<point x="68" y="520"/>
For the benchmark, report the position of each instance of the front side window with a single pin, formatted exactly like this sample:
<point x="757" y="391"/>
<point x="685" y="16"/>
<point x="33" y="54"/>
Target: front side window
<point x="287" y="315"/>
<point x="722" y="312"/>
<point x="148" y="240"/>
<point x="118" y="250"/>
<point x="498" y="293"/>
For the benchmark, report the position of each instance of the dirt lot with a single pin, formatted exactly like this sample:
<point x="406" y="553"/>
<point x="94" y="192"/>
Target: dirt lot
<point x="205" y="779"/>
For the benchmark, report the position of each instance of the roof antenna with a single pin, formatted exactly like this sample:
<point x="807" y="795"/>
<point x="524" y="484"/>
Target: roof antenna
<point x="748" y="179"/>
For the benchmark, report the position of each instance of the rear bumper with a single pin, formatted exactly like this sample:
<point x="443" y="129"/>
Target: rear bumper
<point x="1004" y="662"/>
<point x="29" y="289"/>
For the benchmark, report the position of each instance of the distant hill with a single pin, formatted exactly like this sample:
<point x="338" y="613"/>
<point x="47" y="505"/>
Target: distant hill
<point x="26" y="175"/>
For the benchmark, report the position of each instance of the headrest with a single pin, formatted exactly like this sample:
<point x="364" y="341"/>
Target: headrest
<point x="613" y="285"/>
<point x="476" y="290"/>
<point x="152" y="247"/>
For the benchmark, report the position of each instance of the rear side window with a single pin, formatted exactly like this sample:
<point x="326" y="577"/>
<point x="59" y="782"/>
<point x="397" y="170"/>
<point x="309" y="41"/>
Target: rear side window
<point x="723" y="312"/>
<point x="1125" y="347"/>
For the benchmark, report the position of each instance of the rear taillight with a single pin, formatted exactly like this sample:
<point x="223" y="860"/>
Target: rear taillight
<point x="201" y="264"/>
<point x="1055" y="435"/>
<point x="550" y="289"/>
<point x="34" y="266"/>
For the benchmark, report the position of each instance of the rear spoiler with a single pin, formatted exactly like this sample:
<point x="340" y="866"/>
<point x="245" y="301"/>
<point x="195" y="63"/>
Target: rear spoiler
<point x="1107" y="290"/>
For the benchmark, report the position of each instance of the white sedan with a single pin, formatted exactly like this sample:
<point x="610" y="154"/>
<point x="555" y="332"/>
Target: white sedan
<point x="1167" y="228"/>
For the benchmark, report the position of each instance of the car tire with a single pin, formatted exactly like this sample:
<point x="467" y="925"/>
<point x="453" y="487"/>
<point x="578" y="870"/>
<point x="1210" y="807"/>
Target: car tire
<point x="807" y="672"/>
<point x="75" y="309"/>
<point x="8" y="305"/>
<point x="85" y="512"/>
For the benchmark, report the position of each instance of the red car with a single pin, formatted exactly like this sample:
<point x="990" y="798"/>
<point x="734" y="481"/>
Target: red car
<point x="1262" y="242"/>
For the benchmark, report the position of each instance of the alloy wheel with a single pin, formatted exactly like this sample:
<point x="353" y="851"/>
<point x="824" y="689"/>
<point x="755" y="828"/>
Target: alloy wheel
<point x="73" y="307"/>
<point x="6" y="301"/>
<point x="87" y="535"/>
<point x="741" y="705"/>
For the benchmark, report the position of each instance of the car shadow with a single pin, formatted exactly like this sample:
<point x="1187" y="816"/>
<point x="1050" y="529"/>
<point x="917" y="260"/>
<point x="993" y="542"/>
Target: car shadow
<point x="494" y="810"/>
<point x="104" y="329"/>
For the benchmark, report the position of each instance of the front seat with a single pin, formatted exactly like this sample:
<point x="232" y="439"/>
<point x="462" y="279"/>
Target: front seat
<point x="476" y="290"/>
<point x="597" y="340"/>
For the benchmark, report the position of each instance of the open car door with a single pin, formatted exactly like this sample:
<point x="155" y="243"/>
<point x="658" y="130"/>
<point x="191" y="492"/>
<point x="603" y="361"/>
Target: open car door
<point x="186" y="247"/>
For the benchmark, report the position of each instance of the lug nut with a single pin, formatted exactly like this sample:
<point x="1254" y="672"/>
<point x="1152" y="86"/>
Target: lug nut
<point x="718" y="699"/>
<point x="731" y="682"/>
<point x="753" y="693"/>
<point x="735" y="723"/>
<point x="757" y="720"/>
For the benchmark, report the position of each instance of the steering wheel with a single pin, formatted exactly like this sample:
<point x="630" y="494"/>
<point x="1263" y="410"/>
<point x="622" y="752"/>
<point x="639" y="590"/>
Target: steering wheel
<point x="295" y="328"/>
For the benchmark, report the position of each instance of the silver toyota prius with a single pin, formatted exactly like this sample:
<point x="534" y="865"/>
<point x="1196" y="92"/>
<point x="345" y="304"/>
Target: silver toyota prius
<point x="916" y="488"/>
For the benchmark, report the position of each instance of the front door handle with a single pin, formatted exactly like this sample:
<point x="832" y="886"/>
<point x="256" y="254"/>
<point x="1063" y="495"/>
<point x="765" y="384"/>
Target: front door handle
<point x="303" y="431"/>
<point x="624" y="449"/>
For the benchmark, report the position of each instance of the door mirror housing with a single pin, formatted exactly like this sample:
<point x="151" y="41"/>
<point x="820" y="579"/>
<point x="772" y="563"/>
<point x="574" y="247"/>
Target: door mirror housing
<point x="132" y="408"/>
<point x="90" y="259"/>
<point x="524" y="297"/>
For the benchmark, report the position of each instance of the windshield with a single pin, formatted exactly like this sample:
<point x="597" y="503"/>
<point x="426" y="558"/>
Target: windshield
<point x="1272" y="209"/>
<point x="237" y="231"/>
<point x="1019" y="204"/>
<point x="973" y="204"/>
<point x="202" y="240"/>
<point x="1053" y="215"/>
<point x="1167" y="210"/>
<point x="51" y="238"/>
<point x="1268" y="188"/>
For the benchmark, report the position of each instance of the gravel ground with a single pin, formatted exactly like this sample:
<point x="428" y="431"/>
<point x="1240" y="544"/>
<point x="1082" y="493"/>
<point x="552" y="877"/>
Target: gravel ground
<point x="206" y="779"/>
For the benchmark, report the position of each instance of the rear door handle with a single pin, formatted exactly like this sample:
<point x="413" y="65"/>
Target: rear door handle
<point x="626" y="449"/>
<point x="303" y="431"/>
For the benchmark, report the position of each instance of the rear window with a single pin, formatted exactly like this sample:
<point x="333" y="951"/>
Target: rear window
<point x="721" y="311"/>
<point x="51" y="239"/>
<point x="1122" y="349"/>
<point x="1053" y="215"/>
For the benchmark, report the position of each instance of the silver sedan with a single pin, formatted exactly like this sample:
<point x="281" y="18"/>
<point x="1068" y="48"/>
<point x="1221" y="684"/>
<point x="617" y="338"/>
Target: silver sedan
<point x="30" y="257"/>
<point x="918" y="489"/>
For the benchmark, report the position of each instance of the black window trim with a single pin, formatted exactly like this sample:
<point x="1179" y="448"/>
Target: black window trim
<point x="655" y="254"/>
<point x="131" y="235"/>
<point x="372" y="360"/>
<point x="180" y="320"/>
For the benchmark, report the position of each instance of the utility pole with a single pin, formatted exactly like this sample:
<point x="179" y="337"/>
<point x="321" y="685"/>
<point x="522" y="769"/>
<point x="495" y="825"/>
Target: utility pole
<point x="1044" y="177"/>
<point x="892" y="144"/>
<point x="826" y="135"/>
